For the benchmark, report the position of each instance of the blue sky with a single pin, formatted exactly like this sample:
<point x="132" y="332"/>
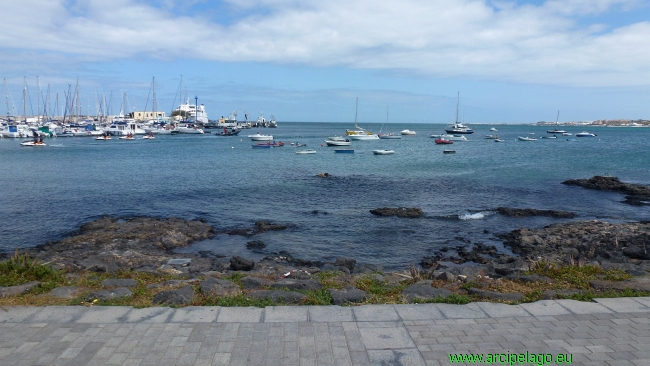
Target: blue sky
<point x="512" y="61"/>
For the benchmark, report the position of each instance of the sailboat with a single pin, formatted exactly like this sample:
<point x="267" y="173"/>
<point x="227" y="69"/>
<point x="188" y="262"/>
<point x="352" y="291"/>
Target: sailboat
<point x="457" y="127"/>
<point x="359" y="133"/>
<point x="388" y="136"/>
<point x="556" y="123"/>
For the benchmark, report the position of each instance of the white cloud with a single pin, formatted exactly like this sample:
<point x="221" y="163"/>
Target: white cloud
<point x="463" y="38"/>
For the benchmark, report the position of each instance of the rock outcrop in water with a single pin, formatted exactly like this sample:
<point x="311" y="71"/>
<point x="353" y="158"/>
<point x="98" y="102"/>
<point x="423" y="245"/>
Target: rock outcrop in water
<point x="584" y="241"/>
<point x="399" y="211"/>
<point x="524" y="212"/>
<point x="636" y="194"/>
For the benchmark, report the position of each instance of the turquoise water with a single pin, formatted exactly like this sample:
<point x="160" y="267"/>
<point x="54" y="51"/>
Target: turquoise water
<point x="48" y="192"/>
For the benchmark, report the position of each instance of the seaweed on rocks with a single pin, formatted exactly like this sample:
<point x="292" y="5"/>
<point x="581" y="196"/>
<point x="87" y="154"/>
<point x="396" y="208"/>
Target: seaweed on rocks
<point x="411" y="212"/>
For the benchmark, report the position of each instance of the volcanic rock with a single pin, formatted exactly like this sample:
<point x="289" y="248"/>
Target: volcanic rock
<point x="399" y="211"/>
<point x="278" y="296"/>
<point x="119" y="282"/>
<point x="636" y="194"/>
<point x="423" y="291"/>
<point x="523" y="212"/>
<point x="240" y="264"/>
<point x="347" y="295"/>
<point x="252" y="283"/>
<point x="18" y="290"/>
<point x="345" y="262"/>
<point x="182" y="296"/>
<point x="513" y="296"/>
<point x="64" y="292"/>
<point x="290" y="284"/>
<point x="220" y="288"/>
<point x="109" y="294"/>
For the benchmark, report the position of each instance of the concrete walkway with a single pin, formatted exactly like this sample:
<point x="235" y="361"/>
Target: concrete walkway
<point x="605" y="332"/>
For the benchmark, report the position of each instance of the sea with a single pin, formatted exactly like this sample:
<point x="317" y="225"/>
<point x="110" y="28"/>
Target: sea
<point x="48" y="192"/>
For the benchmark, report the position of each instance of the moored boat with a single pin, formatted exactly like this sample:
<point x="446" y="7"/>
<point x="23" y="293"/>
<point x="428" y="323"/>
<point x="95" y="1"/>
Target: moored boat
<point x="585" y="134"/>
<point x="530" y="137"/>
<point x="383" y="152"/>
<point x="344" y="151"/>
<point x="337" y="142"/>
<point x="306" y="151"/>
<point x="260" y="137"/>
<point x="408" y="132"/>
<point x="442" y="141"/>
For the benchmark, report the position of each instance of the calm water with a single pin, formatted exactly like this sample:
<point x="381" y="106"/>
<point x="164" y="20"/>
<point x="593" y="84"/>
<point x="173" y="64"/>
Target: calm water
<point x="48" y="192"/>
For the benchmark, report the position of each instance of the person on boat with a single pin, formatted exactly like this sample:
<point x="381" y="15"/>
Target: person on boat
<point x="40" y="140"/>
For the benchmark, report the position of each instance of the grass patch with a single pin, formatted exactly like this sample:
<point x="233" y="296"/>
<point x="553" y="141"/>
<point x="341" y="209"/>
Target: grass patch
<point x="318" y="297"/>
<point x="590" y="295"/>
<point x="238" y="300"/>
<point x="21" y="269"/>
<point x="451" y="299"/>
<point x="331" y="279"/>
<point x="579" y="276"/>
<point x="380" y="292"/>
<point x="236" y="278"/>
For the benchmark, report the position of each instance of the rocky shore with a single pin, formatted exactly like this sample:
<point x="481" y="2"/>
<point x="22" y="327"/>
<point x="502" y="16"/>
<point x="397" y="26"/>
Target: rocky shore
<point x="132" y="261"/>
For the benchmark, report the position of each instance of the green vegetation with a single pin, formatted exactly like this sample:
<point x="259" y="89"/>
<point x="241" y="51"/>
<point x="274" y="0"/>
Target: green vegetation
<point x="578" y="276"/>
<point x="21" y="269"/>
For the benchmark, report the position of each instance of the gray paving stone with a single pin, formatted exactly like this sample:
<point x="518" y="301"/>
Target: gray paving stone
<point x="583" y="307"/>
<point x="623" y="305"/>
<point x="240" y="315"/>
<point x="402" y="357"/>
<point x="57" y="314"/>
<point x="375" y="313"/>
<point x="544" y="308"/>
<point x="195" y="314"/>
<point x="148" y="315"/>
<point x="17" y="314"/>
<point x="495" y="310"/>
<point x="386" y="338"/>
<point x="469" y="311"/>
<point x="281" y="314"/>
<point x="419" y="312"/>
<point x="103" y="314"/>
<point x="332" y="313"/>
<point x="643" y="300"/>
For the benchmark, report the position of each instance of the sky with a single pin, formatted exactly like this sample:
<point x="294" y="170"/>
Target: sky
<point x="308" y="60"/>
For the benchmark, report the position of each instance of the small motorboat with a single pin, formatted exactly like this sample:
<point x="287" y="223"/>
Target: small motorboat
<point x="491" y="137"/>
<point x="383" y="152"/>
<point x="447" y="151"/>
<point x="442" y="141"/>
<point x="549" y="137"/>
<point x="32" y="143"/>
<point x="499" y="140"/>
<point x="493" y="129"/>
<point x="567" y="134"/>
<point x="259" y="137"/>
<point x="337" y="142"/>
<point x="306" y="151"/>
<point x="344" y="151"/>
<point x="408" y="132"/>
<point x="271" y="144"/>
<point x="585" y="134"/>
<point x="228" y="132"/>
<point x="556" y="131"/>
<point x="530" y="137"/>
<point x="389" y="136"/>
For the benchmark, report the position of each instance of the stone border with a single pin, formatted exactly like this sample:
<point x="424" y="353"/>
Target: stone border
<point x="318" y="314"/>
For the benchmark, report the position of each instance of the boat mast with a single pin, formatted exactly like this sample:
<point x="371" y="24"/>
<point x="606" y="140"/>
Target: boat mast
<point x="25" y="97"/>
<point x="38" y="100"/>
<point x="457" y="104"/>
<point x="356" y="110"/>
<point x="6" y="97"/>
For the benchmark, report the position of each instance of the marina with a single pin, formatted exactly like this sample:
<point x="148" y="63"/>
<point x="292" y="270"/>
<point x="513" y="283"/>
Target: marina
<point x="77" y="179"/>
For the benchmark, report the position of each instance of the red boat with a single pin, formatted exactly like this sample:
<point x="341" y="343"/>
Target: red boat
<point x="444" y="142"/>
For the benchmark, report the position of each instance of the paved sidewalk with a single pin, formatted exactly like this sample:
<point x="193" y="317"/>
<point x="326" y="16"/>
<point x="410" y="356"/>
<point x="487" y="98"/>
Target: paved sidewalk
<point x="605" y="332"/>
